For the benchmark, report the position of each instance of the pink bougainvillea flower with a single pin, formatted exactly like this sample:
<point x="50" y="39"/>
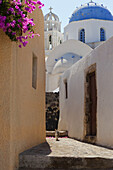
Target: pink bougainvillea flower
<point x="27" y="8"/>
<point x="13" y="33"/>
<point x="8" y="25"/>
<point x="11" y="9"/>
<point x="9" y="30"/>
<point x="18" y="26"/>
<point x="19" y="20"/>
<point x="39" y="2"/>
<point x="15" y="20"/>
<point x="17" y="7"/>
<point x="25" y="43"/>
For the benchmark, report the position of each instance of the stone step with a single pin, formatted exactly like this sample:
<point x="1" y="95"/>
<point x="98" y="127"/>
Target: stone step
<point x="66" y="154"/>
<point x="52" y="133"/>
<point x="62" y="169"/>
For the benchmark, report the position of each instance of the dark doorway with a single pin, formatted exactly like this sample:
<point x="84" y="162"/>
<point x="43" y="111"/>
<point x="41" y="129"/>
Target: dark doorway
<point x="91" y="128"/>
<point x="52" y="111"/>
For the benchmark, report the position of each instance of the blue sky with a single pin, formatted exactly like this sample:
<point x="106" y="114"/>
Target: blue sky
<point x="64" y="8"/>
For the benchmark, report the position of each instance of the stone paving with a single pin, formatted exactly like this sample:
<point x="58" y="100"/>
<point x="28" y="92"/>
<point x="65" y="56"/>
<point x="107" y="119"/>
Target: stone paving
<point x="66" y="154"/>
<point x="72" y="148"/>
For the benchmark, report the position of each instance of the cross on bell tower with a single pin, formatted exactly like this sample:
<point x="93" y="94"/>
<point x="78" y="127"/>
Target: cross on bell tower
<point x="50" y="9"/>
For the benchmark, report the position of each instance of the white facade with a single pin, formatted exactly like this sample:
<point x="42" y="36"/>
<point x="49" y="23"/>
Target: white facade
<point x="72" y="109"/>
<point x="92" y="30"/>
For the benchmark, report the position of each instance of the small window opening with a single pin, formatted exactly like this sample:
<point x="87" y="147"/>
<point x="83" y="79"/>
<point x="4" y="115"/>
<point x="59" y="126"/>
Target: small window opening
<point x="66" y="89"/>
<point x="34" y="72"/>
<point x="82" y="35"/>
<point x="50" y="39"/>
<point x="50" y="42"/>
<point x="60" y="41"/>
<point x="102" y="34"/>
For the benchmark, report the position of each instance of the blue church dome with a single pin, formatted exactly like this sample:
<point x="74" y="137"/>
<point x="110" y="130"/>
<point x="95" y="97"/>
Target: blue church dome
<point x="91" y="10"/>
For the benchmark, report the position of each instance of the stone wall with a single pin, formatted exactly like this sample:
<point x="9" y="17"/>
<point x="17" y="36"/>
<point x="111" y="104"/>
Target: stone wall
<point x="52" y="111"/>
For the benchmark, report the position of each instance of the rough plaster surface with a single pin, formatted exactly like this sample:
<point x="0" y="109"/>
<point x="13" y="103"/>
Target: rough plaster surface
<point x="5" y="92"/>
<point x="22" y="108"/>
<point x="72" y="109"/>
<point x="66" y="154"/>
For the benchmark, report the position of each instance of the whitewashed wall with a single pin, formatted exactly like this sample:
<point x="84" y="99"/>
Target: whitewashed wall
<point x="72" y="109"/>
<point x="92" y="29"/>
<point x="53" y="73"/>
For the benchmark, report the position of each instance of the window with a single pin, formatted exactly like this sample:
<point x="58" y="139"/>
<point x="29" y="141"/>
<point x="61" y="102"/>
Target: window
<point x="50" y="42"/>
<point x="34" y="71"/>
<point x="66" y="89"/>
<point x="50" y="39"/>
<point x="102" y="34"/>
<point x="82" y="35"/>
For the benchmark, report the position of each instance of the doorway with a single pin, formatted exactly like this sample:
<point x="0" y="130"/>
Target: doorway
<point x="91" y="105"/>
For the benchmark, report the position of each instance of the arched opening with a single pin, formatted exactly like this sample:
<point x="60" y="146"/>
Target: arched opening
<point x="53" y="26"/>
<point x="50" y="39"/>
<point x="102" y="34"/>
<point x="82" y="35"/>
<point x="47" y="28"/>
<point x="50" y="42"/>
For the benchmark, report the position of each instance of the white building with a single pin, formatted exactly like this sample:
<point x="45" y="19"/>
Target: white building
<point x="91" y="23"/>
<point x="86" y="88"/>
<point x="86" y="97"/>
<point x="89" y="26"/>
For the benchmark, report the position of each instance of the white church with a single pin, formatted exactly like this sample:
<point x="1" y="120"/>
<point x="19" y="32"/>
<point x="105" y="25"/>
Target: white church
<point x="82" y="67"/>
<point x="89" y="26"/>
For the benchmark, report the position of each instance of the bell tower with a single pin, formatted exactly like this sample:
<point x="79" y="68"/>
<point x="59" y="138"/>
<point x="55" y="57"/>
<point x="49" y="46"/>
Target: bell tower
<point x="52" y="31"/>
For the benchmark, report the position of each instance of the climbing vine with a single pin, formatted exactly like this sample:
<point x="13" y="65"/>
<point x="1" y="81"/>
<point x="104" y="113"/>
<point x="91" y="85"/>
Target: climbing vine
<point x="14" y="20"/>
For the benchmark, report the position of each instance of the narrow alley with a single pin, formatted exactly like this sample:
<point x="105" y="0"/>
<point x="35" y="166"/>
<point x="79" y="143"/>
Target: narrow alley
<point x="68" y="154"/>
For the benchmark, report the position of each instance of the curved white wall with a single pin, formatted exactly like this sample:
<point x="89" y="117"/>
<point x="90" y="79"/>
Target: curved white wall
<point x="70" y="46"/>
<point x="54" y="70"/>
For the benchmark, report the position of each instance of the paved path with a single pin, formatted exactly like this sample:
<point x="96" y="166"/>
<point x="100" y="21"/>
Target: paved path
<point x="66" y="154"/>
<point x="73" y="148"/>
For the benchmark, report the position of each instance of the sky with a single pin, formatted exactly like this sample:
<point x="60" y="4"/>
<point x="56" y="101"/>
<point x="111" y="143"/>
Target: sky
<point x="65" y="8"/>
